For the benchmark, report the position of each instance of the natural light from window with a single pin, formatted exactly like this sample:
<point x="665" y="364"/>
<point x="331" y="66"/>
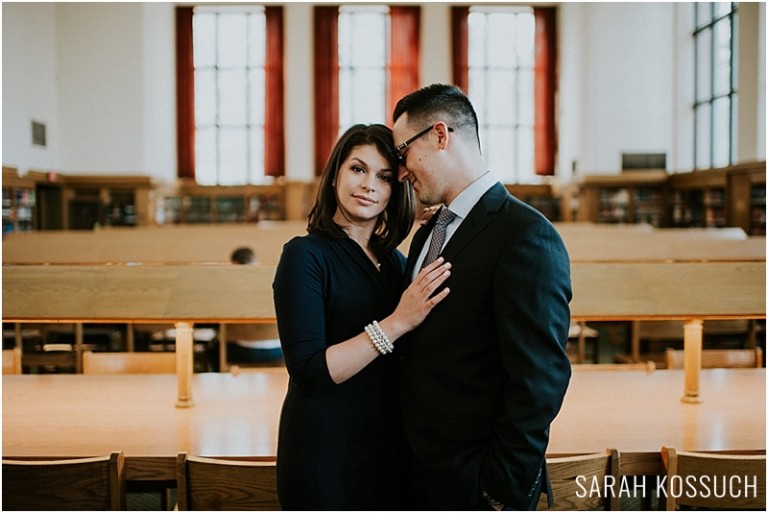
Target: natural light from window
<point x="229" y="56"/>
<point x="501" y="87"/>
<point x="363" y="63"/>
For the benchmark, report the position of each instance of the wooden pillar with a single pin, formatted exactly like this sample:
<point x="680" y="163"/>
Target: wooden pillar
<point x="693" y="342"/>
<point x="184" y="364"/>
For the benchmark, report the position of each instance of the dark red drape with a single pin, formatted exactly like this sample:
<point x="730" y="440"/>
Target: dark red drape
<point x="404" y="52"/>
<point x="185" y="93"/>
<point x="460" y="49"/>
<point x="545" y="82"/>
<point x="274" y="118"/>
<point x="326" y="54"/>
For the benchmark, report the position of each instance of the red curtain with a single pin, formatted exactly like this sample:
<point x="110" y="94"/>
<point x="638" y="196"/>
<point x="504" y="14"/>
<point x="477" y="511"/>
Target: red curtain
<point x="274" y="116"/>
<point x="545" y="85"/>
<point x="404" y="52"/>
<point x="460" y="49"/>
<point x="326" y="54"/>
<point x="185" y="93"/>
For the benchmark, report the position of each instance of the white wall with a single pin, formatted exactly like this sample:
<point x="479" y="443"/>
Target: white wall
<point x="101" y="76"/>
<point x="625" y="71"/>
<point x="29" y="85"/>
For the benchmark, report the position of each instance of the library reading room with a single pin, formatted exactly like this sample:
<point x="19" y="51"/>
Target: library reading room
<point x="383" y="256"/>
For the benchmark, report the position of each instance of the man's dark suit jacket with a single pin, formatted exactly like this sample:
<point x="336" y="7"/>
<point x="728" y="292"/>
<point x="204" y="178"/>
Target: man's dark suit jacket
<point x="485" y="374"/>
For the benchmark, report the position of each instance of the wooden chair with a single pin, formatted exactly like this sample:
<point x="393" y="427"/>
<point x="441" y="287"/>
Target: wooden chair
<point x="12" y="361"/>
<point x="128" y="363"/>
<point x="714" y="480"/>
<point x="718" y="358"/>
<point x="219" y="484"/>
<point x="77" y="484"/>
<point x="571" y="475"/>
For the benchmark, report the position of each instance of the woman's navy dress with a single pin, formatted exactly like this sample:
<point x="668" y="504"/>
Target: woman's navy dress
<point x="340" y="447"/>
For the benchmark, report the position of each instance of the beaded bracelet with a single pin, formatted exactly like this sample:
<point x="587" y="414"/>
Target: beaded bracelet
<point x="378" y="338"/>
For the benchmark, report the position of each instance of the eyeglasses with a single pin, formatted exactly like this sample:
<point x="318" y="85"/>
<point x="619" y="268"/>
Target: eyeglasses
<point x="401" y="147"/>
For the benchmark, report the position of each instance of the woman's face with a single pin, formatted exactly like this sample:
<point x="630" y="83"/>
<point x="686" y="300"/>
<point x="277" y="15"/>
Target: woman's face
<point x="363" y="186"/>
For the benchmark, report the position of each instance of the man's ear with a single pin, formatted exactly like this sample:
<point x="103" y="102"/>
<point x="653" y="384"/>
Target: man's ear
<point x="443" y="134"/>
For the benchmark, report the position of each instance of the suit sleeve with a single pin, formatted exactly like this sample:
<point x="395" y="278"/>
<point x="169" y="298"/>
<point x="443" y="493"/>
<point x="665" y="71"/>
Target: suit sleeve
<point x="532" y="290"/>
<point x="299" y="295"/>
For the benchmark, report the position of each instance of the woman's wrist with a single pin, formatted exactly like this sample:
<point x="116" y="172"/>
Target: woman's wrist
<point x="393" y="328"/>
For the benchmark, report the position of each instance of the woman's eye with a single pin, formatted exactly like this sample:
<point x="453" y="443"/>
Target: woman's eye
<point x="386" y="178"/>
<point x="358" y="169"/>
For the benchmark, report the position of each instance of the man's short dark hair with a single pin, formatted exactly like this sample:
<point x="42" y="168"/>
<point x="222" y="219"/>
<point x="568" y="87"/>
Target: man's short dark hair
<point x="438" y="102"/>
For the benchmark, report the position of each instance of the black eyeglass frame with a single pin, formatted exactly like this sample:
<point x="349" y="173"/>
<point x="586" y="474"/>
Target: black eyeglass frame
<point x="400" y="147"/>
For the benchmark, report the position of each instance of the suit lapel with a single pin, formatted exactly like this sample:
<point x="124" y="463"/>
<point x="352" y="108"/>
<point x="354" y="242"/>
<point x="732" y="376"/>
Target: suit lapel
<point x="419" y="238"/>
<point x="476" y="221"/>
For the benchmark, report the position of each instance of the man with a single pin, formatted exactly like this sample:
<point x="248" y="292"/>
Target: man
<point x="485" y="374"/>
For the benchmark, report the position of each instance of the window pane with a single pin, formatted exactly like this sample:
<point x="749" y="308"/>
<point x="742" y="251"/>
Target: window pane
<point x="256" y="141"/>
<point x="526" y="97"/>
<point x="232" y="38"/>
<point x="526" y="35"/>
<point x="722" y="131"/>
<point x="205" y="156"/>
<point x="501" y="153"/>
<point x="721" y="9"/>
<point x="205" y="97"/>
<point x="256" y="96"/>
<point x="704" y="65"/>
<point x="722" y="71"/>
<point x="501" y="97"/>
<point x="703" y="140"/>
<point x="501" y="40"/>
<point x="703" y="13"/>
<point x="204" y="31"/>
<point x="257" y="39"/>
<point x="476" y="24"/>
<point x="525" y="158"/>
<point x="232" y="102"/>
<point x="233" y="156"/>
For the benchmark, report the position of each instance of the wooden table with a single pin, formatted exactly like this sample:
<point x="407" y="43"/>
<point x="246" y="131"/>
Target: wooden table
<point x="175" y="244"/>
<point x="182" y="295"/>
<point x="83" y="415"/>
<point x="689" y="292"/>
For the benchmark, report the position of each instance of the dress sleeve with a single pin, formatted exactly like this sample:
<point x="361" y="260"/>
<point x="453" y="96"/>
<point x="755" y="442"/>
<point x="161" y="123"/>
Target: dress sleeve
<point x="299" y="295"/>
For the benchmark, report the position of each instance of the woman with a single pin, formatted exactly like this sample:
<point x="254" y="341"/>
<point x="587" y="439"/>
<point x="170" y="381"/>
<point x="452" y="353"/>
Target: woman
<point x="339" y="313"/>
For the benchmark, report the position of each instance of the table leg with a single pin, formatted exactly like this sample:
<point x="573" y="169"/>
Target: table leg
<point x="693" y="341"/>
<point x="223" y="363"/>
<point x="635" y="334"/>
<point x="184" y="364"/>
<point x="79" y="347"/>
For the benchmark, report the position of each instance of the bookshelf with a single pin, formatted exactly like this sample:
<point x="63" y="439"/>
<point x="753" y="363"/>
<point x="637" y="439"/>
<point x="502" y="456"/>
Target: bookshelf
<point x="198" y="204"/>
<point x="746" y="196"/>
<point x="19" y="202"/>
<point x="629" y="197"/>
<point x="93" y="201"/>
<point x="539" y="196"/>
<point x="699" y="199"/>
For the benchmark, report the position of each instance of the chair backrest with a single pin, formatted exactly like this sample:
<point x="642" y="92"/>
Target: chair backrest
<point x="218" y="484"/>
<point x="12" y="361"/>
<point x="714" y="480"/>
<point x="128" y="363"/>
<point x="718" y="358"/>
<point x="78" y="484"/>
<point x="572" y="479"/>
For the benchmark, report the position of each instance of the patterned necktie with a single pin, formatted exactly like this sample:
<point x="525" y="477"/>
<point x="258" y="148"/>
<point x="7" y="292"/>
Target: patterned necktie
<point x="438" y="235"/>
